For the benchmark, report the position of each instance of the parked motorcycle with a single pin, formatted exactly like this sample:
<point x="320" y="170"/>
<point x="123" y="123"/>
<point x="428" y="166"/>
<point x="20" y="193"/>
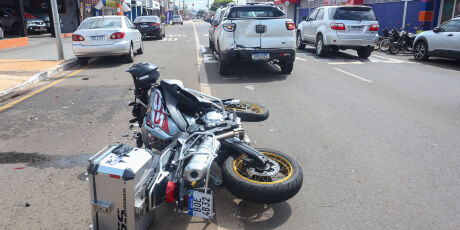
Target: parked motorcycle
<point x="404" y="43"/>
<point x="192" y="130"/>
<point x="388" y="38"/>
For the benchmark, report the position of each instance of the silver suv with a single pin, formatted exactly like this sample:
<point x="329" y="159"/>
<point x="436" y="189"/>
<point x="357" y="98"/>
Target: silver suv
<point x="331" y="28"/>
<point x="443" y="41"/>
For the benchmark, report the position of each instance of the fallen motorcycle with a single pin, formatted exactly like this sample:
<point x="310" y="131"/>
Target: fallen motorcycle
<point x="185" y="132"/>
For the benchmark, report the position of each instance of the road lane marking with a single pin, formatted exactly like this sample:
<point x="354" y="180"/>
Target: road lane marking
<point x="21" y="99"/>
<point x="204" y="86"/>
<point x="175" y="39"/>
<point x="345" y="63"/>
<point x="353" y="75"/>
<point x="300" y="59"/>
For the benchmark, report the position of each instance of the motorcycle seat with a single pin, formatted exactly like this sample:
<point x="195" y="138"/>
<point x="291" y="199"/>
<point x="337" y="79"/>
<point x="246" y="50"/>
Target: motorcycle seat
<point x="177" y="101"/>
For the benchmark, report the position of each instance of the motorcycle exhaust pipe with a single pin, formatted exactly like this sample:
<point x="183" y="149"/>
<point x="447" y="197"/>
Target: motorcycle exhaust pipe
<point x="198" y="165"/>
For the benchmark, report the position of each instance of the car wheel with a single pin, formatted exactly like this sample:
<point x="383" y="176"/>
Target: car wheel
<point x="130" y="55"/>
<point x="321" y="49"/>
<point x="141" y="49"/>
<point x="2" y="32"/>
<point x="365" y="52"/>
<point x="420" y="51"/>
<point x="299" y="42"/>
<point x="286" y="67"/>
<point x="82" y="60"/>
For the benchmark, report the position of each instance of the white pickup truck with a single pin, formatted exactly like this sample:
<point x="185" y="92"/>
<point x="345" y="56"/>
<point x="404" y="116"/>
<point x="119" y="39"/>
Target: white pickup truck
<point x="254" y="33"/>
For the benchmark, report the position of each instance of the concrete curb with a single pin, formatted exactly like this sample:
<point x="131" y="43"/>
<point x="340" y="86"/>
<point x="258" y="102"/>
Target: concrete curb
<point x="41" y="76"/>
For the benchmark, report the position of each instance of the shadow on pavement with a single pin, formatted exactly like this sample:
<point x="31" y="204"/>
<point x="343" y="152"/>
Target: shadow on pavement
<point x="244" y="73"/>
<point x="263" y="216"/>
<point x="440" y="62"/>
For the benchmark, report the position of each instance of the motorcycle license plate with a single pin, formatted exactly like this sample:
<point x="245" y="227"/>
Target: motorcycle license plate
<point x="200" y="204"/>
<point x="260" y="56"/>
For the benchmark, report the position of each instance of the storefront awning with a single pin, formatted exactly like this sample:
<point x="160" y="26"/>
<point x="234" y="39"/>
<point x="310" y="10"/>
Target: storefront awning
<point x="278" y="2"/>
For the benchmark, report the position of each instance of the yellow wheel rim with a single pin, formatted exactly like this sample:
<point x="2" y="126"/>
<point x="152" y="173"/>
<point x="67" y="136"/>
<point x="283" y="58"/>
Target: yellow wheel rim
<point x="248" y="107"/>
<point x="285" y="171"/>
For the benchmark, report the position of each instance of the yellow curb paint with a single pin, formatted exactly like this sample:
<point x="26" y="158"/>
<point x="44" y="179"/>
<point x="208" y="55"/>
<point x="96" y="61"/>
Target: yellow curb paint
<point x="21" y="99"/>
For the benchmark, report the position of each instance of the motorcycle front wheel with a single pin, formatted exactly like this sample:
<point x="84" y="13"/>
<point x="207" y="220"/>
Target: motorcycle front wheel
<point x="278" y="182"/>
<point x="249" y="111"/>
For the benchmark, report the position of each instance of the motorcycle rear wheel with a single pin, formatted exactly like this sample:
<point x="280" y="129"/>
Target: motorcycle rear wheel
<point x="249" y="111"/>
<point x="279" y="187"/>
<point x="394" y="49"/>
<point x="384" y="44"/>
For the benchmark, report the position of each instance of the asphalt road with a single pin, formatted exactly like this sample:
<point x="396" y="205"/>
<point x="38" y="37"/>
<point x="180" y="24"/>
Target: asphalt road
<point x="378" y="139"/>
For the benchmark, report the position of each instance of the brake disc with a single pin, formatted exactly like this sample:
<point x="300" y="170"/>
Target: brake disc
<point x="271" y="169"/>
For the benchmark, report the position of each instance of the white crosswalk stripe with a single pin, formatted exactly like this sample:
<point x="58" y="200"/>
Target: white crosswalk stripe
<point x="172" y="37"/>
<point x="352" y="60"/>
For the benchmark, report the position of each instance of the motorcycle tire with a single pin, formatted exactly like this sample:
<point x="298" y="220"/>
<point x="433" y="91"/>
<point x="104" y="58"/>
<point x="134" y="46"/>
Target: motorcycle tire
<point x="263" y="189"/>
<point x="249" y="111"/>
<point x="384" y="44"/>
<point x="394" y="49"/>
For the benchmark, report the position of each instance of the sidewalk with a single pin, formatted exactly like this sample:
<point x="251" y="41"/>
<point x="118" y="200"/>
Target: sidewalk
<point x="22" y="66"/>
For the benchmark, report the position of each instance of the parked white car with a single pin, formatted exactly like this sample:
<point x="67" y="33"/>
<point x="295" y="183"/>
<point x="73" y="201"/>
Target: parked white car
<point x="177" y="19"/>
<point x="443" y="41"/>
<point x="254" y="33"/>
<point x="106" y="36"/>
<point x="330" y="28"/>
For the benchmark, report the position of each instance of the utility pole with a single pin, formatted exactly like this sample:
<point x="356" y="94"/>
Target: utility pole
<point x="57" y="29"/>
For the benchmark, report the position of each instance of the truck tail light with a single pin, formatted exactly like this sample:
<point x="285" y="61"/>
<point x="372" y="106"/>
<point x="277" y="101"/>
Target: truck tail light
<point x="229" y="27"/>
<point x="374" y="27"/>
<point x="290" y="25"/>
<point x="117" y="35"/>
<point x="77" y="38"/>
<point x="170" y="191"/>
<point x="337" y="26"/>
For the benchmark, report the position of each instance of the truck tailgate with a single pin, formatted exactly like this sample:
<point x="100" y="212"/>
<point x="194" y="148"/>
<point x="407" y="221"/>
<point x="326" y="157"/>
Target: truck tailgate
<point x="245" y="33"/>
<point x="276" y="34"/>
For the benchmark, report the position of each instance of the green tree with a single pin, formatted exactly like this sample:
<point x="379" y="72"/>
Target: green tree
<point x="218" y="3"/>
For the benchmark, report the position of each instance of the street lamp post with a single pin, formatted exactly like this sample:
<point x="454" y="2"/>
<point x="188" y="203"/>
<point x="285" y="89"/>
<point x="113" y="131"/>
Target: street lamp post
<point x="57" y="29"/>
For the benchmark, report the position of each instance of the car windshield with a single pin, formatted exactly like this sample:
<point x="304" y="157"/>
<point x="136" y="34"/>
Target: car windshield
<point x="147" y="19"/>
<point x="255" y="12"/>
<point x="354" y="13"/>
<point x="100" y="23"/>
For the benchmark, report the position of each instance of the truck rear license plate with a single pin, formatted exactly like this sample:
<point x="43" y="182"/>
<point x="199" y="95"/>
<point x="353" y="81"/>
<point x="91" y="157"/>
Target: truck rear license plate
<point x="260" y="56"/>
<point x="200" y="204"/>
